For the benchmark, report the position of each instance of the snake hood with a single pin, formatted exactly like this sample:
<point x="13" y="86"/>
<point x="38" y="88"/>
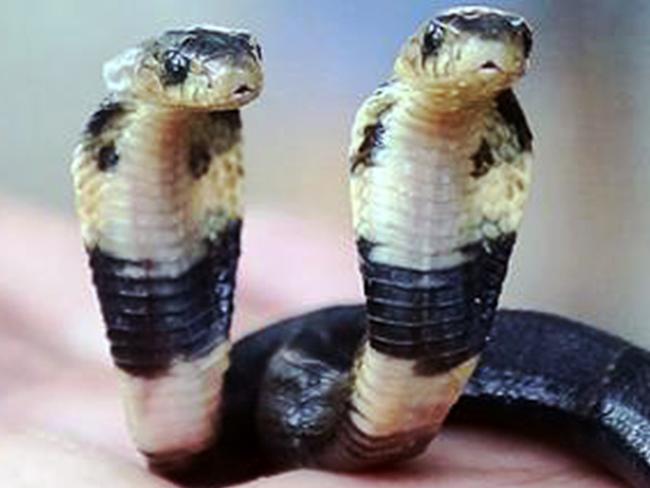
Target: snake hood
<point x="472" y="52"/>
<point x="158" y="175"/>
<point x="201" y="67"/>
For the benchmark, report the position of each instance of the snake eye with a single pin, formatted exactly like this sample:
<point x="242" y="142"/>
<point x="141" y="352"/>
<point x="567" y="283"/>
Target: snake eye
<point x="176" y="67"/>
<point x="433" y="39"/>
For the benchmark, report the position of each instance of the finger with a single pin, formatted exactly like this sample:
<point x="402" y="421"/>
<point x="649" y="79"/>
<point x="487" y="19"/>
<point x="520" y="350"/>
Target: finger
<point x="30" y="460"/>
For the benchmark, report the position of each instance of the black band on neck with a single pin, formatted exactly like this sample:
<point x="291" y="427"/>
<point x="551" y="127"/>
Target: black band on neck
<point x="440" y="317"/>
<point x="151" y="321"/>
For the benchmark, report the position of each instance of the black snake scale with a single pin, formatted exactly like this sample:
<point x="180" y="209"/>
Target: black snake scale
<point x="440" y="164"/>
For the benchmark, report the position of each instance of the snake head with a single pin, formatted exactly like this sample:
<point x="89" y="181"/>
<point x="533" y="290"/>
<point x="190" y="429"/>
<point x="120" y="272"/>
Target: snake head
<point x="204" y="67"/>
<point x="473" y="50"/>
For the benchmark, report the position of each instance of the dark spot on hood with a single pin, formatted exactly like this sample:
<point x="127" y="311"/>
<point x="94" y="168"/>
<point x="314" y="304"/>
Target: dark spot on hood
<point x="109" y="111"/>
<point x="432" y="40"/>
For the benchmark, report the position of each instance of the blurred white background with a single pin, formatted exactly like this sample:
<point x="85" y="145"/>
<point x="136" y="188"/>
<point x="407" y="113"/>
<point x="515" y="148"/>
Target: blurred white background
<point x="585" y="246"/>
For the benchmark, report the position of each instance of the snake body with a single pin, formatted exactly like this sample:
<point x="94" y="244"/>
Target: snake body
<point x="440" y="165"/>
<point x="538" y="372"/>
<point x="158" y="175"/>
<point x="439" y="177"/>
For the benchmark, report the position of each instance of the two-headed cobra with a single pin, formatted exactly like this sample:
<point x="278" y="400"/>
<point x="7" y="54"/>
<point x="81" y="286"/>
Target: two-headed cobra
<point x="440" y="171"/>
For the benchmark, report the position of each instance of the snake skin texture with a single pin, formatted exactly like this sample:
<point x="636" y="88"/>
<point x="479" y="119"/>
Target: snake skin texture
<point x="440" y="169"/>
<point x="570" y="380"/>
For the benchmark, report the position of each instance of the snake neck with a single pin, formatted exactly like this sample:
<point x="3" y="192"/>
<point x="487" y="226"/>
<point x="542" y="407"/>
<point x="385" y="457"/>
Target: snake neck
<point x="158" y="193"/>
<point x="155" y="201"/>
<point x="410" y="208"/>
<point x="146" y="211"/>
<point x="432" y="276"/>
<point x="158" y="179"/>
<point x="423" y="207"/>
<point x="445" y="123"/>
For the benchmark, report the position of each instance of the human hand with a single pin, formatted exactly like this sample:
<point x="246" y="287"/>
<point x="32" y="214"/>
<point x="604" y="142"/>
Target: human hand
<point x="60" y="419"/>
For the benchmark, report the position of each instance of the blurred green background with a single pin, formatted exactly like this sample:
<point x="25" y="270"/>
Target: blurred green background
<point x="585" y="247"/>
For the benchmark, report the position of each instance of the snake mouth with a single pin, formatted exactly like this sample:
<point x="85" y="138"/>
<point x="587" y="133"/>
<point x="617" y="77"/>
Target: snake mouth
<point x="243" y="90"/>
<point x="490" y="67"/>
<point x="244" y="94"/>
